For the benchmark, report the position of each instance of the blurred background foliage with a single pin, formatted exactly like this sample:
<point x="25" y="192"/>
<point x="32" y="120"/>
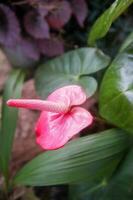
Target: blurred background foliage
<point x="48" y="28"/>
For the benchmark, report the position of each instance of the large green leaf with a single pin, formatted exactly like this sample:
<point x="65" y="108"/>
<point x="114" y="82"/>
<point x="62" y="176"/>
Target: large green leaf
<point x="73" y="67"/>
<point x="90" y="157"/>
<point x="116" y="93"/>
<point x="9" y="118"/>
<point x="103" y="23"/>
<point x="120" y="186"/>
<point x="84" y="190"/>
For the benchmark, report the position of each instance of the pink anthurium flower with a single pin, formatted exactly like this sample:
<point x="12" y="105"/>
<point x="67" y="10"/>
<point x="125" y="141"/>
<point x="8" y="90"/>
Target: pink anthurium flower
<point x="62" y="116"/>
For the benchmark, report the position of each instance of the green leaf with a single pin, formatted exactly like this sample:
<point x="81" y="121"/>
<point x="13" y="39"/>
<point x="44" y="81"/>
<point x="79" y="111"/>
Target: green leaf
<point x="103" y="23"/>
<point x="128" y="44"/>
<point x="83" y="191"/>
<point x="120" y="186"/>
<point x="116" y="93"/>
<point x="9" y="118"/>
<point x="73" y="67"/>
<point x="90" y="157"/>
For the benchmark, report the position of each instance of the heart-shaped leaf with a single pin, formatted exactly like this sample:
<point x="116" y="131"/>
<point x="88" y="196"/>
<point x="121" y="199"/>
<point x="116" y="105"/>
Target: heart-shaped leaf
<point x="116" y="94"/>
<point x="90" y="157"/>
<point x="73" y="67"/>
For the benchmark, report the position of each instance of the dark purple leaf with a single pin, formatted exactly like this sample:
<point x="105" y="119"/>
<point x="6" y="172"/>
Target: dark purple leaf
<point x="24" y="54"/>
<point x="42" y="11"/>
<point x="60" y="15"/>
<point x="40" y="6"/>
<point x="30" y="49"/>
<point x="36" y="25"/>
<point x="9" y="26"/>
<point x="35" y="2"/>
<point x="51" y="47"/>
<point x="80" y="10"/>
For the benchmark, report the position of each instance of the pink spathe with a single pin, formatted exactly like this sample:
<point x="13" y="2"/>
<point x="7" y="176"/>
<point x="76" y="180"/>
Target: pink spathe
<point x="62" y="116"/>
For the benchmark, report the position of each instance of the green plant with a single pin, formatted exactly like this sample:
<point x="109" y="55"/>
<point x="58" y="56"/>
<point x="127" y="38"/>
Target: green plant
<point x="99" y="165"/>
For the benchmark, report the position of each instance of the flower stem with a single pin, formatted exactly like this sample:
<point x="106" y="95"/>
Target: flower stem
<point x="38" y="105"/>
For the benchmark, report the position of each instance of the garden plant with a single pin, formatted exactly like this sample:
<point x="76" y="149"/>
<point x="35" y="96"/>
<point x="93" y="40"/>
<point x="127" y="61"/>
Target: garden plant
<point x="82" y="67"/>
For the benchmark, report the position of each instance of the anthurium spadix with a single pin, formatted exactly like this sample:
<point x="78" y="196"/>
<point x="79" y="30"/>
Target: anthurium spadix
<point x="62" y="116"/>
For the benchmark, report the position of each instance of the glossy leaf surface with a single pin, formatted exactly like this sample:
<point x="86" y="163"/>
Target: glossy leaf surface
<point x="73" y="67"/>
<point x="116" y="94"/>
